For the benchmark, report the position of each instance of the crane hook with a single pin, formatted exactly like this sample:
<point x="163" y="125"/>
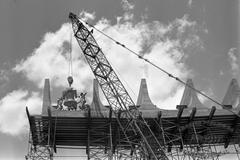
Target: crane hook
<point x="70" y="80"/>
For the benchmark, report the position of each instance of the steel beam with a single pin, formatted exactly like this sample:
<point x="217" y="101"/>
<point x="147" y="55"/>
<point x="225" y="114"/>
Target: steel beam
<point x="211" y="114"/>
<point x="75" y="129"/>
<point x="39" y="144"/>
<point x="210" y="117"/>
<point x="159" y="122"/>
<point x="177" y="122"/>
<point x="190" y="120"/>
<point x="50" y="128"/>
<point x="31" y="126"/>
<point x="116" y="134"/>
<point x="231" y="132"/>
<point x="110" y="135"/>
<point x="193" y="113"/>
<point x="88" y="133"/>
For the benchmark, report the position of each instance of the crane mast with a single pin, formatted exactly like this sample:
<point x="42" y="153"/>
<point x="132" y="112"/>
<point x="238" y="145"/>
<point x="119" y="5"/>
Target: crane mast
<point x="116" y="95"/>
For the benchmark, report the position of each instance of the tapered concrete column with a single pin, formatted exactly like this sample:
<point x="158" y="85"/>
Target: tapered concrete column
<point x="46" y="97"/>
<point x="190" y="97"/>
<point x="96" y="104"/>
<point x="144" y="100"/>
<point x="232" y="96"/>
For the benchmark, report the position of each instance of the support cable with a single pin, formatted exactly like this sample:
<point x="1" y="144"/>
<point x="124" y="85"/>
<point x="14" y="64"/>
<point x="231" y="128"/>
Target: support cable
<point x="159" y="68"/>
<point x="70" y="55"/>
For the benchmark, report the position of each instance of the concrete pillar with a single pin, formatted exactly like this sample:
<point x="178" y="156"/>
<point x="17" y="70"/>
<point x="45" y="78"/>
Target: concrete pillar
<point x="232" y="96"/>
<point x="46" y="97"/>
<point x="190" y="97"/>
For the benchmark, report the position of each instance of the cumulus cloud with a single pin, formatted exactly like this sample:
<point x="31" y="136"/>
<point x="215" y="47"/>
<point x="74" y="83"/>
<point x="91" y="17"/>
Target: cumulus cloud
<point x="128" y="10"/>
<point x="160" y="43"/>
<point x="190" y="3"/>
<point x="234" y="60"/>
<point x="127" y="6"/>
<point x="3" y="76"/>
<point x="13" y="116"/>
<point x="51" y="59"/>
<point x="163" y="44"/>
<point x="87" y="16"/>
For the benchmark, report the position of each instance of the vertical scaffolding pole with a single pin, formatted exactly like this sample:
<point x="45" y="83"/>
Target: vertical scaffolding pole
<point x="110" y="135"/>
<point x="88" y="134"/>
<point x="236" y="151"/>
<point x="161" y="127"/>
<point x="39" y="145"/>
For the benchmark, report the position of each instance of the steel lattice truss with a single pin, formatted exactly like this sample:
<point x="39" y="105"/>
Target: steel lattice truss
<point x="183" y="138"/>
<point x="116" y="94"/>
<point x="40" y="139"/>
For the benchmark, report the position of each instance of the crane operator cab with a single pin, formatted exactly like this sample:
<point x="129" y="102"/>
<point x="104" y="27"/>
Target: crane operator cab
<point x="70" y="100"/>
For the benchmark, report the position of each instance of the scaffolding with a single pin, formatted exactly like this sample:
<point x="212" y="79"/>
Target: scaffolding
<point x="189" y="137"/>
<point x="187" y="133"/>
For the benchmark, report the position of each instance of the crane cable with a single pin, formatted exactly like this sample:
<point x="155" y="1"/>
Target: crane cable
<point x="159" y="68"/>
<point x="70" y="55"/>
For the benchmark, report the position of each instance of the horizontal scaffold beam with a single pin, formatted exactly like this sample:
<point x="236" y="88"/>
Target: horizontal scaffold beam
<point x="83" y="129"/>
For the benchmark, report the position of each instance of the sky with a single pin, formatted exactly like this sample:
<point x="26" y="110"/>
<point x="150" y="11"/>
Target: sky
<point x="188" y="38"/>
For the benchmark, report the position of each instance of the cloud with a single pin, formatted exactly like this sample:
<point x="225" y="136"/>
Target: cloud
<point x="221" y="73"/>
<point x="128" y="10"/>
<point x="158" y="42"/>
<point x="127" y="6"/>
<point x="84" y="15"/>
<point x="51" y="60"/>
<point x="190" y="2"/>
<point x="172" y="99"/>
<point x="13" y="119"/>
<point x="234" y="60"/>
<point x="163" y="44"/>
<point x="4" y="78"/>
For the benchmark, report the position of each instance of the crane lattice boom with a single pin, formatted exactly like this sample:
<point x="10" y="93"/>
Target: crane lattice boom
<point x="116" y="94"/>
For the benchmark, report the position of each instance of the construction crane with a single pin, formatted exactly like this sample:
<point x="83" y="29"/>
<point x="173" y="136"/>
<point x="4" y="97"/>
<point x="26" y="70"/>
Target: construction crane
<point x="142" y="142"/>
